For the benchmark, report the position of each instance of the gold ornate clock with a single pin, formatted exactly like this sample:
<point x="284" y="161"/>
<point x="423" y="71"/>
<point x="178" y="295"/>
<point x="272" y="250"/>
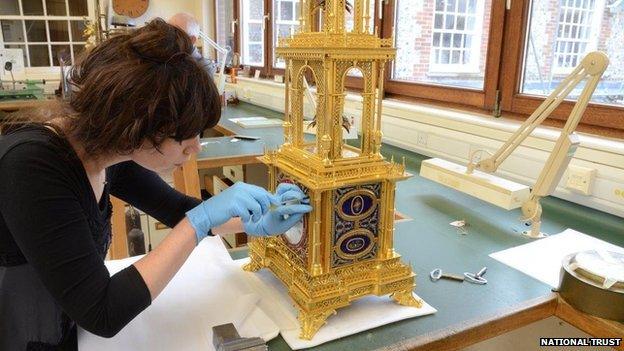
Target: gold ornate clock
<point x="343" y="249"/>
<point x="130" y="8"/>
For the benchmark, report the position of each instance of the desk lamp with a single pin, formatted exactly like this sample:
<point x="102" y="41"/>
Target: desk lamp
<point x="223" y="51"/>
<point x="510" y="195"/>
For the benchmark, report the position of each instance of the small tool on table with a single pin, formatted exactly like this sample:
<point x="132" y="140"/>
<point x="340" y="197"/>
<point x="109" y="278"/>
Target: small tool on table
<point x="245" y="137"/>
<point x="476" y="278"/>
<point x="437" y="274"/>
<point x="226" y="338"/>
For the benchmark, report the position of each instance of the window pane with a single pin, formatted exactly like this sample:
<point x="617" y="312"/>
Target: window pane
<point x="252" y="34"/>
<point x="38" y="55"/>
<point x="256" y="9"/>
<point x="32" y="7"/>
<point x="36" y="31"/>
<point x="225" y="35"/>
<point x="9" y="7"/>
<point x="78" y="8"/>
<point x="60" y="51"/>
<point x="22" y="47"/>
<point x="283" y="26"/>
<point x="445" y="43"/>
<point x="286" y="11"/>
<point x="77" y="30"/>
<point x="58" y="31"/>
<point x="255" y="32"/>
<point x="561" y="33"/>
<point x="56" y="7"/>
<point x="12" y="31"/>
<point x="255" y="54"/>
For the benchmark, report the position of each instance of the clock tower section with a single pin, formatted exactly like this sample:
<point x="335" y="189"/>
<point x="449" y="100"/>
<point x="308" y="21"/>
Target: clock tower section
<point x="343" y="249"/>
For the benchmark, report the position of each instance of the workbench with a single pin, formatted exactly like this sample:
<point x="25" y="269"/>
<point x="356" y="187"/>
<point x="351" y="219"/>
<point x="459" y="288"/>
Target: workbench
<point x="467" y="313"/>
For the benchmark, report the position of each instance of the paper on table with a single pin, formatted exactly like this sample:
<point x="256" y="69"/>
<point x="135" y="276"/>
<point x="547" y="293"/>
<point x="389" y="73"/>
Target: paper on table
<point x="208" y="290"/>
<point x="363" y="314"/>
<point x="541" y="259"/>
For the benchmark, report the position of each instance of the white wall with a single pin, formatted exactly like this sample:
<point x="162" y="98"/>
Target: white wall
<point x="453" y="134"/>
<point x="167" y="8"/>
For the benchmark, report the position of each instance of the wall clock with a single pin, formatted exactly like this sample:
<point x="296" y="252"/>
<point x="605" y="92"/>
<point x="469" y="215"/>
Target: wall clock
<point x="130" y="8"/>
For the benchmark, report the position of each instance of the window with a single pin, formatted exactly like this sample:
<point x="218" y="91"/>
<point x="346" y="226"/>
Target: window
<point x="577" y="30"/>
<point x="576" y="33"/>
<point x="225" y="25"/>
<point x="476" y="54"/>
<point x="43" y="29"/>
<point x="456" y="36"/>
<point x="443" y="42"/>
<point x="285" y="23"/>
<point x="558" y="35"/>
<point x="252" y="37"/>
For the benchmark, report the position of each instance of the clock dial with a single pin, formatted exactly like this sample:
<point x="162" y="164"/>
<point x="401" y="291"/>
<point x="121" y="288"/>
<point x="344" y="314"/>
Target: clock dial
<point x="130" y="8"/>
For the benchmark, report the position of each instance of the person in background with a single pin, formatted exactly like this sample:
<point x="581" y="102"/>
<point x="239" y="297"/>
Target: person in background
<point x="140" y="103"/>
<point x="189" y="24"/>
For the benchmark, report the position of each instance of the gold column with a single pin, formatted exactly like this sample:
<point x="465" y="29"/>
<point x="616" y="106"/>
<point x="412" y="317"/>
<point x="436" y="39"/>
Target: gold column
<point x="325" y="142"/>
<point x="297" y="108"/>
<point x="339" y="26"/>
<point x="358" y="17"/>
<point x="304" y="22"/>
<point x="386" y="248"/>
<point x="367" y="16"/>
<point x="320" y="108"/>
<point x="378" y="132"/>
<point x="368" y="137"/>
<point x="315" y="251"/>
<point x="288" y="136"/>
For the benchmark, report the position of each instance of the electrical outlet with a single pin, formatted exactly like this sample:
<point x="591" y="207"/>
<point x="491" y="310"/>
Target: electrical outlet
<point x="246" y="93"/>
<point x="477" y="153"/>
<point x="580" y="179"/>
<point x="422" y="139"/>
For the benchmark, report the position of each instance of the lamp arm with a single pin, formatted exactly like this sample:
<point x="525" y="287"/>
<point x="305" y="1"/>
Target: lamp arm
<point x="567" y="143"/>
<point x="593" y="65"/>
<point x="223" y="51"/>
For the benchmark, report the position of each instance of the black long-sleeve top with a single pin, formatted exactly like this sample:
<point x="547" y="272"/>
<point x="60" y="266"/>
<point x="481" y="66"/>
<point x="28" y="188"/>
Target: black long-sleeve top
<point x="54" y="236"/>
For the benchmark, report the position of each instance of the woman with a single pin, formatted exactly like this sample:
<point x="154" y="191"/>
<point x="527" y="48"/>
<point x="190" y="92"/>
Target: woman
<point x="139" y="105"/>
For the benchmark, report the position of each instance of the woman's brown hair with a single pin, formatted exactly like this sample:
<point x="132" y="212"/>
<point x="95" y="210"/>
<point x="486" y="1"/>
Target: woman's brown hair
<point x="140" y="86"/>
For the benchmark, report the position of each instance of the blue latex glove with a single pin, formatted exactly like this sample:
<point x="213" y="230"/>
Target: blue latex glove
<point x="281" y="218"/>
<point x="249" y="202"/>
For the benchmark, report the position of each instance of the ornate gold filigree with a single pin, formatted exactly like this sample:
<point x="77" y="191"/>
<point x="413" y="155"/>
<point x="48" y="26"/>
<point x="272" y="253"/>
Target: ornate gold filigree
<point x="406" y="298"/>
<point x="348" y="255"/>
<point x="311" y="322"/>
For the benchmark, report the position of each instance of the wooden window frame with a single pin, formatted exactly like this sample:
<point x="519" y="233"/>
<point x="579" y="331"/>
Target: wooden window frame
<point x="500" y="91"/>
<point x="596" y="115"/>
<point x="46" y="19"/>
<point x="475" y="98"/>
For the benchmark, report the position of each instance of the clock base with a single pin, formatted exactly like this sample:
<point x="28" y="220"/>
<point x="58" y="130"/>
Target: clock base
<point x="320" y="296"/>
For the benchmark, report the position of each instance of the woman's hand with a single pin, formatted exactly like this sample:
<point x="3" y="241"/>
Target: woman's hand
<point x="249" y="202"/>
<point x="282" y="217"/>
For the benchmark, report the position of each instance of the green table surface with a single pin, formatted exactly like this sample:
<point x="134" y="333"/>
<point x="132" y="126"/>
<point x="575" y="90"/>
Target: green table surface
<point x="221" y="147"/>
<point x="428" y="242"/>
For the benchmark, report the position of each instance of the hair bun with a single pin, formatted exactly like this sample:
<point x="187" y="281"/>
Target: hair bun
<point x="159" y="42"/>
